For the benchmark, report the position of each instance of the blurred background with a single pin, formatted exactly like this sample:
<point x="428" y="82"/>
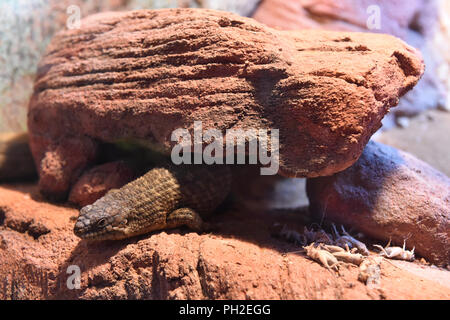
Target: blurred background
<point x="420" y="124"/>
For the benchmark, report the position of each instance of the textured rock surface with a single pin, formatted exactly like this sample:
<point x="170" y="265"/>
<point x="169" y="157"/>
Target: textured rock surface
<point x="414" y="21"/>
<point x="144" y="74"/>
<point x="389" y="193"/>
<point x="240" y="260"/>
<point x="26" y="27"/>
<point x="94" y="183"/>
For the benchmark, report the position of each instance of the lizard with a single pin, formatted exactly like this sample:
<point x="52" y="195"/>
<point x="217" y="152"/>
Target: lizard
<point x="167" y="196"/>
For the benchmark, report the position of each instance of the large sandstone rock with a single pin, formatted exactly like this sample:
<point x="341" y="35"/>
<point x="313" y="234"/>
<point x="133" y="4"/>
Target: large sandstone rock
<point x="27" y="26"/>
<point x="240" y="260"/>
<point x="143" y="74"/>
<point x="386" y="194"/>
<point x="414" y="21"/>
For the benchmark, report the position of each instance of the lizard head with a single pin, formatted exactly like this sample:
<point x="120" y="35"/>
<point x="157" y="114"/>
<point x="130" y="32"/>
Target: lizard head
<point x="103" y="220"/>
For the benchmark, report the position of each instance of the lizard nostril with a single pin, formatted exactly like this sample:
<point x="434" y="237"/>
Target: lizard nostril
<point x="77" y="229"/>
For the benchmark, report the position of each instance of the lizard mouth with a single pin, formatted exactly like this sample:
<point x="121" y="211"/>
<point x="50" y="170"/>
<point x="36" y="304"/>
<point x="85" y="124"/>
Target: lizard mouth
<point x="82" y="230"/>
<point x="85" y="234"/>
<point x="96" y="234"/>
<point x="93" y="231"/>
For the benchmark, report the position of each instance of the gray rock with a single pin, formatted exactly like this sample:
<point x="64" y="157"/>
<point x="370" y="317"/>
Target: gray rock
<point x="386" y="194"/>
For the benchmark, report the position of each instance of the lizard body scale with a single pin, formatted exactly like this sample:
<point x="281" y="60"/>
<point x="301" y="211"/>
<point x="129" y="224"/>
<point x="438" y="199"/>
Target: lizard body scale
<point x="167" y="196"/>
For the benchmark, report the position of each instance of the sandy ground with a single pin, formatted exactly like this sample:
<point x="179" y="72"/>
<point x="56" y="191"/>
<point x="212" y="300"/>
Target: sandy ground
<point x="239" y="260"/>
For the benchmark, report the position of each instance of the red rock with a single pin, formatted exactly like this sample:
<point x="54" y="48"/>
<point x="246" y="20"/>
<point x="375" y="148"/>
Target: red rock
<point x="42" y="19"/>
<point x="386" y="194"/>
<point x="94" y="183"/>
<point x="414" y="21"/>
<point x="143" y="74"/>
<point x="63" y="161"/>
<point x="238" y="261"/>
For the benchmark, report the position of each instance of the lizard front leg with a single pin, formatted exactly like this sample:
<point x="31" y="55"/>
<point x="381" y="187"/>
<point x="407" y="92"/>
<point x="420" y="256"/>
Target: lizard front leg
<point x="185" y="217"/>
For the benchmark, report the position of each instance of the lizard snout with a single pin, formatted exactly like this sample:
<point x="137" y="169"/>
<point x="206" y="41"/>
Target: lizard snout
<point x="100" y="222"/>
<point x="82" y="226"/>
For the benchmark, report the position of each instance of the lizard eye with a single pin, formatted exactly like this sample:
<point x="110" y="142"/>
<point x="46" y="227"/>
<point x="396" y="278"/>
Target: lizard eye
<point x="101" y="223"/>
